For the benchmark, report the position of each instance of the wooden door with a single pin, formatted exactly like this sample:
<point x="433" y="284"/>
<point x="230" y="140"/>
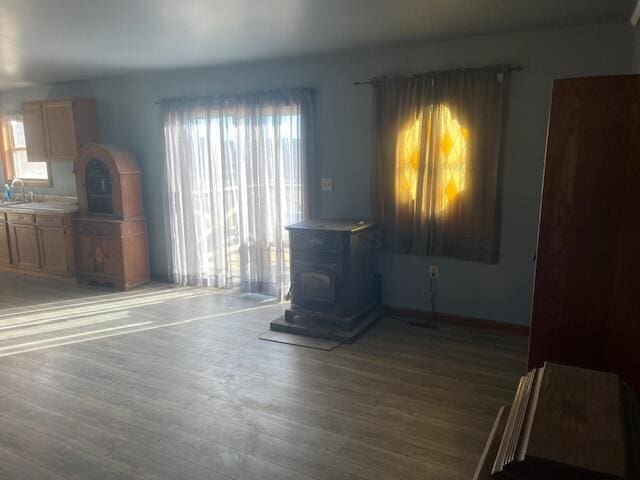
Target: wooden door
<point x="586" y="306"/>
<point x="53" y="250"/>
<point x="60" y="129"/>
<point x="25" y="246"/>
<point x="5" y="251"/>
<point x="34" y="132"/>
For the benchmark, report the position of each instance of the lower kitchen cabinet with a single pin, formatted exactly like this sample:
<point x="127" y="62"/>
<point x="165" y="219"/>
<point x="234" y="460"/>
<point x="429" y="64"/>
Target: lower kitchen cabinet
<point x="25" y="246"/>
<point x="37" y="243"/>
<point x="55" y="256"/>
<point x="5" y="249"/>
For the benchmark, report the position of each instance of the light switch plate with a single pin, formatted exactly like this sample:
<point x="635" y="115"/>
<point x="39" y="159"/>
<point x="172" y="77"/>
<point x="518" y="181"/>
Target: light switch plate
<point x="434" y="271"/>
<point x="326" y="184"/>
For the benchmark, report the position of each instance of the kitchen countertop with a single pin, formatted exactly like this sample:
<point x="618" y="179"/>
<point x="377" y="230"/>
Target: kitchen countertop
<point x="58" y="208"/>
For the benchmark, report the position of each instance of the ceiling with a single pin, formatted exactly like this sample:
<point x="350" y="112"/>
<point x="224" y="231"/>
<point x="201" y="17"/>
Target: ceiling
<point x="44" y="41"/>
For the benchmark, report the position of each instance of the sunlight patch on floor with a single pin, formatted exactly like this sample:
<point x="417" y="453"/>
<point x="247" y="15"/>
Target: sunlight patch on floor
<point x="94" y="305"/>
<point x="62" y="325"/>
<point x="74" y="321"/>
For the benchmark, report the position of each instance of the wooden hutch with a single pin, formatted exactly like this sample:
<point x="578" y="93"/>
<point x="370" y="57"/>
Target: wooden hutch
<point x="110" y="229"/>
<point x="586" y="308"/>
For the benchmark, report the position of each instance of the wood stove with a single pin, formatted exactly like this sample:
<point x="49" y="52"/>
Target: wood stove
<point x="334" y="292"/>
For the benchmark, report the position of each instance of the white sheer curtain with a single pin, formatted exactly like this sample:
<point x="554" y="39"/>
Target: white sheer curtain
<point x="237" y="172"/>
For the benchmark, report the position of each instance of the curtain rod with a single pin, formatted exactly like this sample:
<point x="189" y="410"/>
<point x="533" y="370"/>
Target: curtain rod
<point x="373" y="80"/>
<point x="235" y="95"/>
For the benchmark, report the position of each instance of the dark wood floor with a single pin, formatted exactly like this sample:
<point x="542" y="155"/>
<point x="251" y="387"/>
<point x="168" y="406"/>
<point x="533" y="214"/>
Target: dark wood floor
<point x="173" y="383"/>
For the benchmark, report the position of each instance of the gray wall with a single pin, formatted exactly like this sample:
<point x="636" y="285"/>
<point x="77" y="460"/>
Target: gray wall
<point x="128" y="116"/>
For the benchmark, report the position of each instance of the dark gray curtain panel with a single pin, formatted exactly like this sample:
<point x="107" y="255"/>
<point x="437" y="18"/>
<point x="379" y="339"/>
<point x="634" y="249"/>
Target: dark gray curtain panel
<point x="438" y="162"/>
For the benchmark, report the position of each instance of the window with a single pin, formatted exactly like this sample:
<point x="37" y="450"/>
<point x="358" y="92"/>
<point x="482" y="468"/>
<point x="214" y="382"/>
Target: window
<point x="438" y="162"/>
<point x="449" y="144"/>
<point x="270" y="177"/>
<point x="15" y="161"/>
<point x="236" y="177"/>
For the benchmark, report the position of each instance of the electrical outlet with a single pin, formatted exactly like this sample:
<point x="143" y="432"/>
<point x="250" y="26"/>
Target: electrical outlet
<point x="326" y="184"/>
<point x="433" y="271"/>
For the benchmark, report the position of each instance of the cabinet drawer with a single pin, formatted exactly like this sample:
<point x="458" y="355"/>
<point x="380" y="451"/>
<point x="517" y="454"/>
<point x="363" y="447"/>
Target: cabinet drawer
<point x="50" y="220"/>
<point x="22" y="218"/>
<point x="98" y="229"/>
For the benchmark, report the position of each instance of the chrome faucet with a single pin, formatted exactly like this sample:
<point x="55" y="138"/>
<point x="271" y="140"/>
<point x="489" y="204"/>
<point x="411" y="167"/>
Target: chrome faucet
<point x="13" y="184"/>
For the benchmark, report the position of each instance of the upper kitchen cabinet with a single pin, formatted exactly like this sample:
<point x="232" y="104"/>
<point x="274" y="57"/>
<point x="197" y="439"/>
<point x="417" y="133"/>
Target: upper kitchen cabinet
<point x="56" y="129"/>
<point x="34" y="132"/>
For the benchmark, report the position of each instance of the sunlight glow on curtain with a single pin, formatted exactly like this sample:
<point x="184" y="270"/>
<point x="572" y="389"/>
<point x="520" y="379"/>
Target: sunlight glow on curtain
<point x="452" y="153"/>
<point x="437" y="171"/>
<point x="237" y="172"/>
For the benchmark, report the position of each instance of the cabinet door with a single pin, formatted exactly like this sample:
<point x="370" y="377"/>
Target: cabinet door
<point x="53" y="250"/>
<point x="34" y="132"/>
<point x="25" y="246"/>
<point x="60" y="129"/>
<point x="84" y="254"/>
<point x="107" y="256"/>
<point x="101" y="255"/>
<point x="5" y="252"/>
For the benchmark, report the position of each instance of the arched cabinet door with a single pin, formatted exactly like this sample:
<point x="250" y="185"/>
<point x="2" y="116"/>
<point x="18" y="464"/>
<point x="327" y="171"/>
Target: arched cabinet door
<point x="97" y="180"/>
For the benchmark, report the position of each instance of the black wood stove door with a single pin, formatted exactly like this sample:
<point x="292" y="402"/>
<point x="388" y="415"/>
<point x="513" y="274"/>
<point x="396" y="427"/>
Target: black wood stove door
<point x="316" y="283"/>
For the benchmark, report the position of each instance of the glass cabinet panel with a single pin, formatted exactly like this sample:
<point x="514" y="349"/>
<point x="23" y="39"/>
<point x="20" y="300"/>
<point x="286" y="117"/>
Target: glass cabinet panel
<point x="98" y="182"/>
